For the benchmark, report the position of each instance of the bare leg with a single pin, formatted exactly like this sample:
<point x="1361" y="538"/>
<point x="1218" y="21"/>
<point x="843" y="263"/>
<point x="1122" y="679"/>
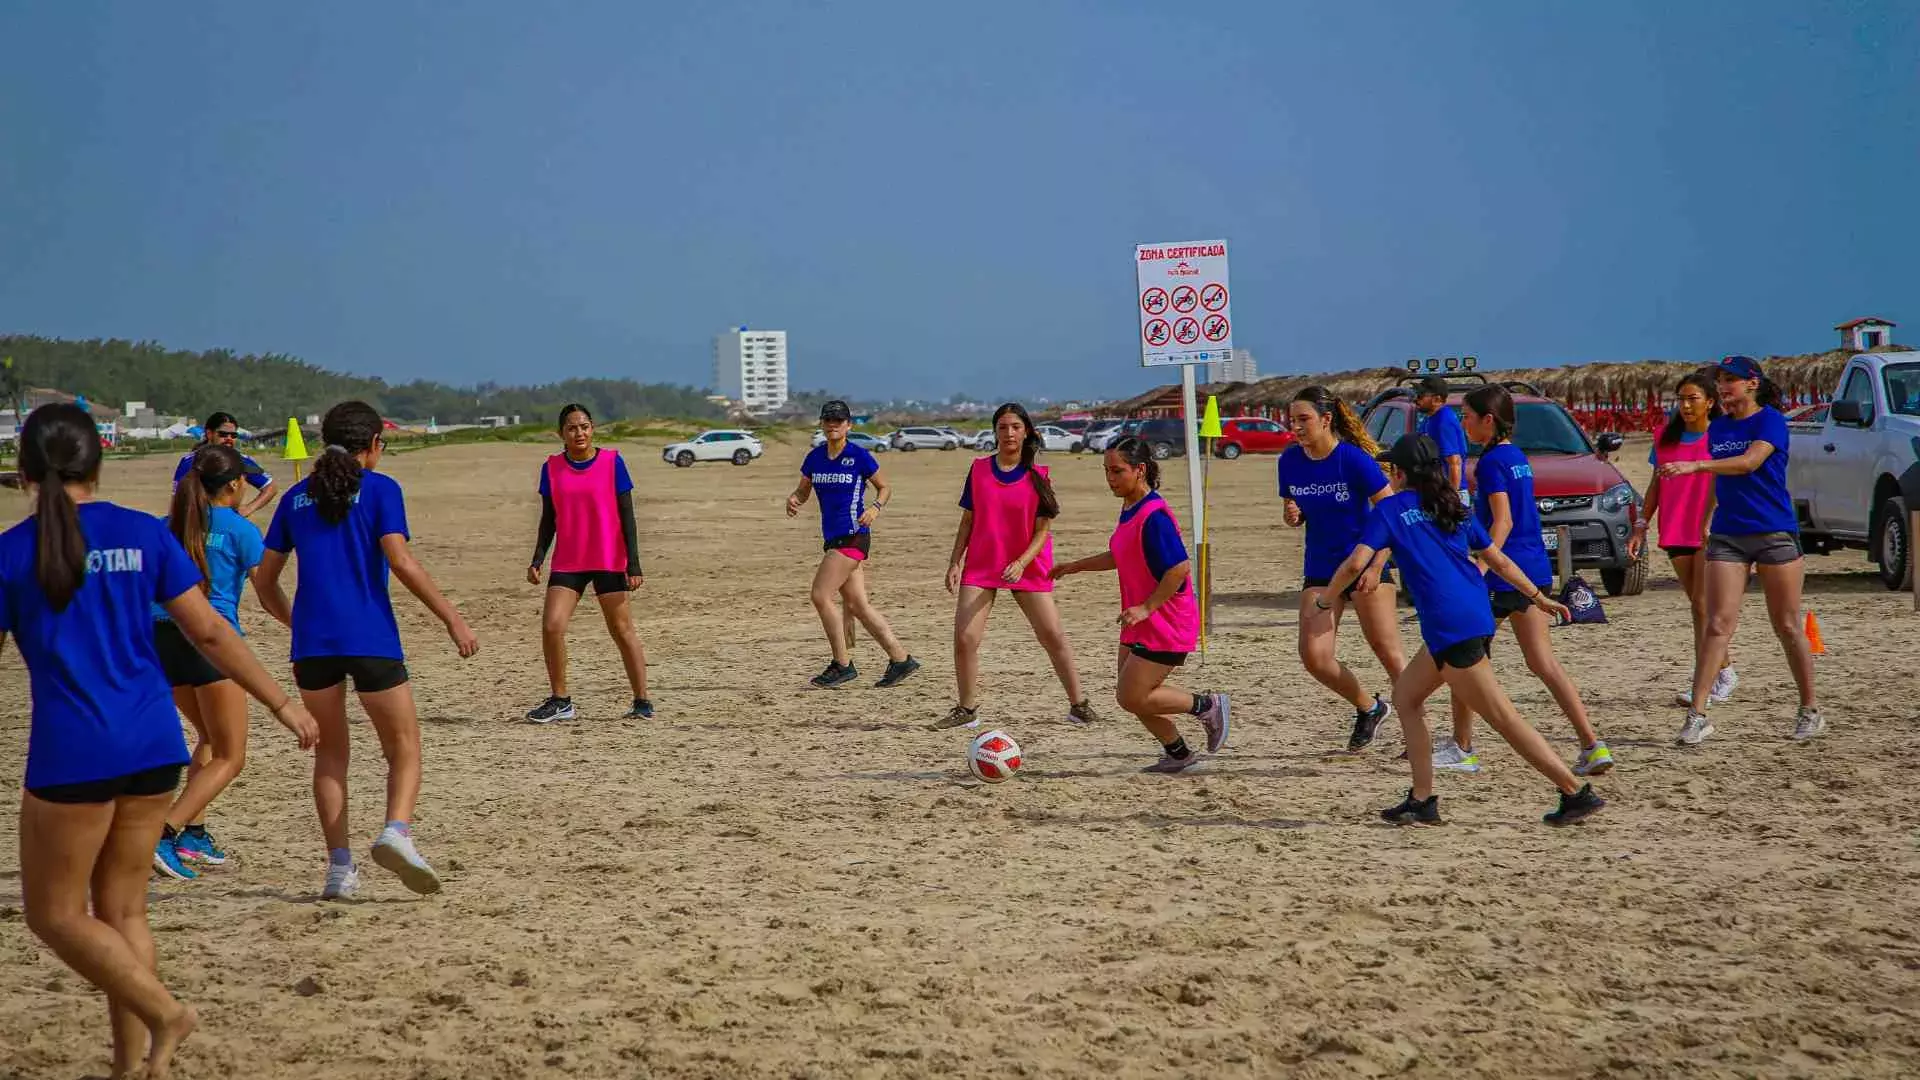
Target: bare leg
<point x="1531" y="627"/>
<point x="1417" y="682"/>
<point x="554" y="617"/>
<point x="1380" y="623"/>
<point x="970" y="611"/>
<point x="1725" y="583"/>
<point x="1482" y="693"/>
<point x="1782" y="586"/>
<point x="186" y="701"/>
<point x="834" y="571"/>
<point x="617" y="610"/>
<point x="1317" y="649"/>
<point x="220" y="715"/>
<point x="1144" y="693"/>
<point x="398" y="725"/>
<point x="853" y="593"/>
<point x="1044" y="616"/>
<point x="330" y="758"/>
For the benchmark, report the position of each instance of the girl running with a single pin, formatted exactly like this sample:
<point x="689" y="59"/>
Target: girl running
<point x="1433" y="539"/>
<point x="586" y="501"/>
<point x="225" y="548"/>
<point x="104" y="753"/>
<point x="840" y="472"/>
<point x="1005" y="541"/>
<point x="1328" y="479"/>
<point x="1160" y="624"/>
<point x="1682" y="503"/>
<point x="1754" y="525"/>
<point x="1504" y="507"/>
<point x="222" y="429"/>
<point x="349" y="525"/>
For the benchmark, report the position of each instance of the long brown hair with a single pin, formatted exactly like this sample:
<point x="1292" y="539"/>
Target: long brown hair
<point x="1493" y="400"/>
<point x="59" y="445"/>
<point x="1346" y="425"/>
<point x="191" y="515"/>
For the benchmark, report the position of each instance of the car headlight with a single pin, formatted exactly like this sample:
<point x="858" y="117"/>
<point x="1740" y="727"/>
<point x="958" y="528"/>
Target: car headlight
<point x="1618" y="498"/>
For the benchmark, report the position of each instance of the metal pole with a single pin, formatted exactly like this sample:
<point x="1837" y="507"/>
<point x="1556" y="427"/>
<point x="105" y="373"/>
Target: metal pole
<point x="1564" y="537"/>
<point x="1196" y="485"/>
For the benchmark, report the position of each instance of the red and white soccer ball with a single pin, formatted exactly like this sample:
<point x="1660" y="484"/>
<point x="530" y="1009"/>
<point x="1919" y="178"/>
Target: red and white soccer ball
<point x="994" y="757"/>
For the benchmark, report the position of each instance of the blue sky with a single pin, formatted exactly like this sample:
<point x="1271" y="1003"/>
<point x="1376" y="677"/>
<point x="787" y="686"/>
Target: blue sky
<point x="936" y="199"/>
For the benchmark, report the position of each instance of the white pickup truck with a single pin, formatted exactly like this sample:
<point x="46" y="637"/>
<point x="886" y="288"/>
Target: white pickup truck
<point x="1849" y="458"/>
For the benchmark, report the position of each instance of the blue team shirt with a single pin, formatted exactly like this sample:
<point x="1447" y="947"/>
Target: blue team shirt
<point x="101" y="705"/>
<point x="1007" y="477"/>
<point x="1757" y="502"/>
<point x="1504" y="468"/>
<point x="1159" y="539"/>
<point x="341" y="606"/>
<point x="234" y="548"/>
<point x="255" y="475"/>
<point x="1332" y="494"/>
<point x="1444" y="428"/>
<point x="841" y="486"/>
<point x="1437" y="569"/>
<point x="622" y="481"/>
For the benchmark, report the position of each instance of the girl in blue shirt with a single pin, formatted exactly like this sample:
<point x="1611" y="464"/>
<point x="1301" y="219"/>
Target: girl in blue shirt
<point x="1504" y="507"/>
<point x="221" y="429"/>
<point x="77" y="581"/>
<point x="1433" y="538"/>
<point x="1754" y="529"/>
<point x="225" y="548"/>
<point x="1329" y="480"/>
<point x="348" y="523"/>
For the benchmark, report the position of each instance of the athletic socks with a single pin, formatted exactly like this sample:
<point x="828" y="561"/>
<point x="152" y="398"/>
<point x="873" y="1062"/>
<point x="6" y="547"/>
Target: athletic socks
<point x="195" y="830"/>
<point x="169" y="833"/>
<point x="400" y="827"/>
<point x="1178" y="749"/>
<point x="339" y="857"/>
<point x="1201" y="703"/>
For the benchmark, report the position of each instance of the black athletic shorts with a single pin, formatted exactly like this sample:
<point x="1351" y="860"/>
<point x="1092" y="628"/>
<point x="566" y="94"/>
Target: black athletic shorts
<point x="603" y="581"/>
<point x="370" y="674"/>
<point x="1464" y="654"/>
<point x="1507" y="603"/>
<point x="860" y="542"/>
<point x="1154" y="656"/>
<point x="1681" y="551"/>
<point x="160" y="780"/>
<point x="1386" y="578"/>
<point x="1764" y="549"/>
<point x="183" y="664"/>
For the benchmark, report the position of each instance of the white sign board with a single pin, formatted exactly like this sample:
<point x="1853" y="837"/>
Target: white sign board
<point x="1184" y="303"/>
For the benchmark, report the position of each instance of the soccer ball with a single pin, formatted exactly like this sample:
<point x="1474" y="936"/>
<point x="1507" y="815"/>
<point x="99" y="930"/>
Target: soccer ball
<point x="994" y="757"/>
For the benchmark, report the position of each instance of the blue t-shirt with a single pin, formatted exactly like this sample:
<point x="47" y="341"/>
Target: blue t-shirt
<point x="622" y="481"/>
<point x="1159" y="539"/>
<point x="1437" y="569"/>
<point x="1757" y="502"/>
<point x="1332" y="494"/>
<point x="1007" y="477"/>
<point x="101" y="705"/>
<point x="341" y="606"/>
<point x="234" y="548"/>
<point x="1443" y="427"/>
<point x="1687" y="438"/>
<point x="256" y="475"/>
<point x="841" y="486"/>
<point x="1504" y="468"/>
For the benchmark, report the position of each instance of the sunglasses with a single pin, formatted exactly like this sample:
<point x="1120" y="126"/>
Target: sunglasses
<point x="230" y="434"/>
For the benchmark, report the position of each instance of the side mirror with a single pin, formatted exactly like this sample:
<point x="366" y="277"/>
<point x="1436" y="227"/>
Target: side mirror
<point x="1610" y="442"/>
<point x="1851" y="413"/>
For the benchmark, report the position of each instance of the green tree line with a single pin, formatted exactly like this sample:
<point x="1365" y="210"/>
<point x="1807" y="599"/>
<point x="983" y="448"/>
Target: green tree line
<point x="263" y="391"/>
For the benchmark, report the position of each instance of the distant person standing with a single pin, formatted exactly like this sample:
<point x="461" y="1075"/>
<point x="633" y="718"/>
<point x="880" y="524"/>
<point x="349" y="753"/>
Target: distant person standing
<point x="1442" y="425"/>
<point x="221" y="429"/>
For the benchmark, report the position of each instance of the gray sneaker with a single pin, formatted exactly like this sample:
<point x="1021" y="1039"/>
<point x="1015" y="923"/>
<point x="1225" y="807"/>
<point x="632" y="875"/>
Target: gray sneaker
<point x="1695" y="730"/>
<point x="1217" y="723"/>
<point x="394" y="851"/>
<point x="342" y="882"/>
<point x="1168" y="764"/>
<point x="961" y="716"/>
<point x="1808" y="724"/>
<point x="1082" y="713"/>
<point x="1594" y="760"/>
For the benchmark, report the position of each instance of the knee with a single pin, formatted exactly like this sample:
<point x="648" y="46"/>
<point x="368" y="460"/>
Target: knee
<point x="823" y="598"/>
<point x="1133" y="701"/>
<point x="1544" y="668"/>
<point x="50" y="924"/>
<point x="1320" y="662"/>
<point x="1787" y="625"/>
<point x="233" y="758"/>
<point x="552" y="625"/>
<point x="967" y="642"/>
<point x="1719" y="625"/>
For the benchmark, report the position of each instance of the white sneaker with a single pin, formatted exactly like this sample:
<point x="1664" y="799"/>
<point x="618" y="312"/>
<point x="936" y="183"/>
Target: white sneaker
<point x="395" y="851"/>
<point x="1720" y="694"/>
<point x="1448" y="755"/>
<point x="1808" y="724"/>
<point x="342" y="882"/>
<point x="1695" y="730"/>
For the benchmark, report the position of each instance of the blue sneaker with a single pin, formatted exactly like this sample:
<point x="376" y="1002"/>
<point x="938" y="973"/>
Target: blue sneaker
<point x="197" y="848"/>
<point x="166" y="861"/>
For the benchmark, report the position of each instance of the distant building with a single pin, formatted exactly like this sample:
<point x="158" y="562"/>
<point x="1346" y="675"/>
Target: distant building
<point x="1861" y="335"/>
<point x="750" y="367"/>
<point x="1238" y="367"/>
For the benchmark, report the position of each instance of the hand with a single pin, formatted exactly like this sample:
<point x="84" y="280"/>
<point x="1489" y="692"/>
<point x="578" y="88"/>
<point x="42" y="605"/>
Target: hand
<point x="953" y="578"/>
<point x="1135" y="615"/>
<point x="1638" y="540"/>
<point x="1291" y="515"/>
<point x="872" y="512"/>
<point x="636" y="582"/>
<point x="295" y="718"/>
<point x="533" y="575"/>
<point x="793" y="506"/>
<point x="1552" y="607"/>
<point x="462" y="636"/>
<point x="1679" y="468"/>
<point x="1061" y="570"/>
<point x="1369" y="579"/>
<point x="1015" y="570"/>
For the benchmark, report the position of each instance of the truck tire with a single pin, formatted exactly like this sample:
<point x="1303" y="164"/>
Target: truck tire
<point x="1628" y="580"/>
<point x="1892" y="549"/>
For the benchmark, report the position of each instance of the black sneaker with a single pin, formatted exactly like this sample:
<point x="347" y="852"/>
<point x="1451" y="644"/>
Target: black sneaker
<point x="1578" y="806"/>
<point x="554" y="708"/>
<point x="1365" y="723"/>
<point x="837" y="674"/>
<point x="1412" y="811"/>
<point x="642" y="710"/>
<point x="897" y="673"/>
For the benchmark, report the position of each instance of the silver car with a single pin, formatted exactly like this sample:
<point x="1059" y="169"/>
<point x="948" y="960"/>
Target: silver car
<point x="924" y="438"/>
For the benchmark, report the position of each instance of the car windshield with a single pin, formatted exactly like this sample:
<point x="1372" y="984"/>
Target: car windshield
<point x="1541" y="427"/>
<point x="1903" y="388"/>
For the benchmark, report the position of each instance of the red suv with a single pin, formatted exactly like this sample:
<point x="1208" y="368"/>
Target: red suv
<point x="1573" y="482"/>
<point x="1251" y="435"/>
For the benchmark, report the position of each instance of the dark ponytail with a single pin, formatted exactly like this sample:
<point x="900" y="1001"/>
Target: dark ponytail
<point x="190" y="517"/>
<point x="1438" y="499"/>
<point x="1137" y="451"/>
<point x="1703" y="381"/>
<point x="349" y="428"/>
<point x="1346" y="426"/>
<point x="59" y="445"/>
<point x="1769" y="395"/>
<point x="1029" y="448"/>
<point x="1493" y="400"/>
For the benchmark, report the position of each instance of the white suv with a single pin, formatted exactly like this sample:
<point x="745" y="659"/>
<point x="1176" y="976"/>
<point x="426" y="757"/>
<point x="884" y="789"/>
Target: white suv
<point x="924" y="438"/>
<point x="738" y="447"/>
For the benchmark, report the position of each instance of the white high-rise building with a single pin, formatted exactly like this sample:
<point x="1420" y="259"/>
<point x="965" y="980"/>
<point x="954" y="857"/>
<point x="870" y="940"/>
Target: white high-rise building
<point x="1238" y="367"/>
<point x="750" y="367"/>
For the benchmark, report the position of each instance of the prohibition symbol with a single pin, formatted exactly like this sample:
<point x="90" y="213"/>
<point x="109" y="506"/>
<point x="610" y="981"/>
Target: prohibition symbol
<point x="1213" y="297"/>
<point x="1185" y="298"/>
<point x="1215" y="327"/>
<point x="1186" y="330"/>
<point x="1154" y="301"/>
<point x="1157" y="331"/>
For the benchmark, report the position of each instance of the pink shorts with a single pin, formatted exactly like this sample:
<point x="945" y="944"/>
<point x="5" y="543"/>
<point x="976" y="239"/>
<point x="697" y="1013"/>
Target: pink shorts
<point x="855" y="547"/>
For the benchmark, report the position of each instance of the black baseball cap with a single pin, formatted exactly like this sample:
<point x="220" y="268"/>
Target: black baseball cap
<point x="1435" y="385"/>
<point x="1411" y="453"/>
<point x="835" y="410"/>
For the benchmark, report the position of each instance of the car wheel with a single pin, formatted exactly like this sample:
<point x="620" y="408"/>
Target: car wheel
<point x="1162" y="451"/>
<point x="949" y="445"/>
<point x="684" y="459"/>
<point x="907" y="447"/>
<point x="741" y="457"/>
<point x="1893" y="549"/>
<point x="1229" y="450"/>
<point x="1629" y="580"/>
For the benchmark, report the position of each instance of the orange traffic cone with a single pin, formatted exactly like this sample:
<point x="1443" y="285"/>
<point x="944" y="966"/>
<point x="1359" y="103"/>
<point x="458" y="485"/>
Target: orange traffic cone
<point x="1813" y="634"/>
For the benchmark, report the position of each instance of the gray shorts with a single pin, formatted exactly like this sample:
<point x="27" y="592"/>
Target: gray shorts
<point x="1765" y="549"/>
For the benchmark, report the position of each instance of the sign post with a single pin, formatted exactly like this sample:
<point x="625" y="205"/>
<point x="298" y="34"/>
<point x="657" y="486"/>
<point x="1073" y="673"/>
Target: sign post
<point x="1186" y="318"/>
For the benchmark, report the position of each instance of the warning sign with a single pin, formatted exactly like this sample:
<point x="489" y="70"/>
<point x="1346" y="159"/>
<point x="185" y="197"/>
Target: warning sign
<point x="1185" y="313"/>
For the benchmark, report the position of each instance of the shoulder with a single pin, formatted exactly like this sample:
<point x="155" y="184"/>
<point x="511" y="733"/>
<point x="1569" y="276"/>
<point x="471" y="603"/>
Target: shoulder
<point x="379" y="485"/>
<point x="815" y="458"/>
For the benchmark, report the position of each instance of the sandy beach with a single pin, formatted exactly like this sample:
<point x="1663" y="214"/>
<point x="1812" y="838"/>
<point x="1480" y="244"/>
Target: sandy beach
<point x="773" y="881"/>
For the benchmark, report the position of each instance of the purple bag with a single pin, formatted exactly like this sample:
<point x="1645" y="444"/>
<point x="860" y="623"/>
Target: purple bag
<point x="1582" y="601"/>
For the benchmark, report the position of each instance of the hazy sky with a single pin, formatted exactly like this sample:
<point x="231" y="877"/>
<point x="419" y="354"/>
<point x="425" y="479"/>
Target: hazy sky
<point x="939" y="198"/>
